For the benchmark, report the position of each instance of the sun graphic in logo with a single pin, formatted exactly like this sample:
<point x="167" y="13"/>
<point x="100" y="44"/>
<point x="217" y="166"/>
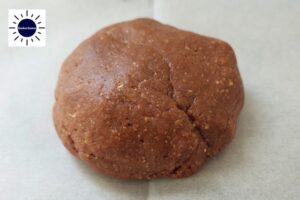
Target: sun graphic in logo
<point x="26" y="27"/>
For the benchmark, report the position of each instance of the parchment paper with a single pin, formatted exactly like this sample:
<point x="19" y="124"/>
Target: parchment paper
<point x="263" y="160"/>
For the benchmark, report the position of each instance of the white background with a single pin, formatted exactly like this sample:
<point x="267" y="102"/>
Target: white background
<point x="263" y="161"/>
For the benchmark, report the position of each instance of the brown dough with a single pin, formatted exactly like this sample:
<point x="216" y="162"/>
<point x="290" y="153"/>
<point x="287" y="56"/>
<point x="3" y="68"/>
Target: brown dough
<point x="141" y="100"/>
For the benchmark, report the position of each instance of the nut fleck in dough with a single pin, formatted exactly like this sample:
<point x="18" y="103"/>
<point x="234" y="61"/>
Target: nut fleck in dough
<point x="141" y="100"/>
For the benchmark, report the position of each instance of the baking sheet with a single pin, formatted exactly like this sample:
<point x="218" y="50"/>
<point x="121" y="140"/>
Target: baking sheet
<point x="263" y="160"/>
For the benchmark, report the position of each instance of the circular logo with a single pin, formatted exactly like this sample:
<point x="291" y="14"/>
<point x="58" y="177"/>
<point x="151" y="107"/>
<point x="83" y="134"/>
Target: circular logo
<point x="27" y="27"/>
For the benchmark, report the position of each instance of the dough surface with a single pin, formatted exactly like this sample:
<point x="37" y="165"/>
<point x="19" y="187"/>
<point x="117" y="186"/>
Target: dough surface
<point x="142" y="100"/>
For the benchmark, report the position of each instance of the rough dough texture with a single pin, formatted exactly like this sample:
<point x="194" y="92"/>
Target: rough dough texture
<point x="141" y="100"/>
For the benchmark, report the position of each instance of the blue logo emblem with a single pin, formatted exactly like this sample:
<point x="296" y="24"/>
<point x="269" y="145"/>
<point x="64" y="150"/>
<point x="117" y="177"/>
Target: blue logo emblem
<point x="27" y="27"/>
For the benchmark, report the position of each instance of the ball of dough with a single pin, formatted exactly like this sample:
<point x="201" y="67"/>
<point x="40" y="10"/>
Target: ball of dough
<point x="141" y="100"/>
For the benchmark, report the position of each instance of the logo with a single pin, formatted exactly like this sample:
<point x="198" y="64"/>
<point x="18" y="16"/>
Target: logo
<point x="26" y="28"/>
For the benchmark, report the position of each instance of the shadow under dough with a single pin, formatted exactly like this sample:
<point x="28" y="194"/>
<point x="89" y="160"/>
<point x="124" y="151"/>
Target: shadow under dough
<point x="117" y="188"/>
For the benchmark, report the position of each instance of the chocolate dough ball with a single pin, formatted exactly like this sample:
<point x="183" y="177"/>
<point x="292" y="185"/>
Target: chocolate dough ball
<point x="141" y="100"/>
